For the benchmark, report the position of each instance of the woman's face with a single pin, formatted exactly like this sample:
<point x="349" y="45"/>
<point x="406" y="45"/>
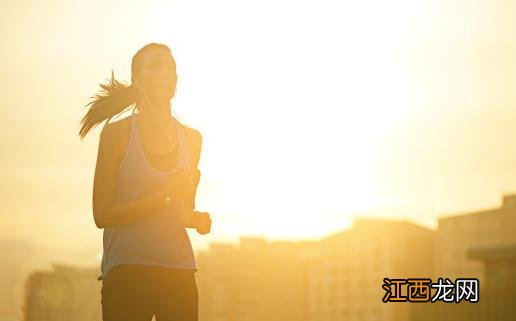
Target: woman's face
<point x="157" y="74"/>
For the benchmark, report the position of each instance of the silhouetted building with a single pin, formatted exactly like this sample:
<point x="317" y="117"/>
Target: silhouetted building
<point x="337" y="278"/>
<point x="497" y="298"/>
<point x="479" y="245"/>
<point x="64" y="294"/>
<point x="257" y="280"/>
<point x="499" y="293"/>
<point x="457" y="234"/>
<point x="345" y="281"/>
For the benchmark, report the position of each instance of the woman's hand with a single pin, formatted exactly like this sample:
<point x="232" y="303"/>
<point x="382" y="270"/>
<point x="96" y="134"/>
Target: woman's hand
<point x="203" y="224"/>
<point x="201" y="221"/>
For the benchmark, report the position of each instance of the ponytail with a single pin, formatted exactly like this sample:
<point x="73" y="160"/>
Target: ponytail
<point x="114" y="98"/>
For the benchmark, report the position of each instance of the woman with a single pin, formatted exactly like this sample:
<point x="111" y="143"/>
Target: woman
<point x="144" y="190"/>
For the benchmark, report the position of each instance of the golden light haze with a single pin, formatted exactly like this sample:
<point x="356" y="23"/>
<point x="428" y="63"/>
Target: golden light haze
<point x="312" y="113"/>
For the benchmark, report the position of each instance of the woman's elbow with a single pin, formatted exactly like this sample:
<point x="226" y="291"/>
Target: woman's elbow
<point x="100" y="225"/>
<point x="97" y="218"/>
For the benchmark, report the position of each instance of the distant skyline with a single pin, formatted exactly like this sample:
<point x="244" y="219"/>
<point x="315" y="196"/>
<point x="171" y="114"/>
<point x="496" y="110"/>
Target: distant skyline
<point x="312" y="114"/>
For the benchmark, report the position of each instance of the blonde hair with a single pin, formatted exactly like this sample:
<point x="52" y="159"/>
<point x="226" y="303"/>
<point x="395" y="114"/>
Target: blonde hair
<point x="114" y="97"/>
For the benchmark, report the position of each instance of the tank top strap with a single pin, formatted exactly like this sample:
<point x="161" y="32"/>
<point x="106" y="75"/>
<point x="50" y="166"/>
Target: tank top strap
<point x="132" y="135"/>
<point x="185" y="150"/>
<point x="185" y="157"/>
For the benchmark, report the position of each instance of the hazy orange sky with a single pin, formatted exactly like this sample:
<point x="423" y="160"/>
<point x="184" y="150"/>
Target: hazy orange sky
<point x="312" y="113"/>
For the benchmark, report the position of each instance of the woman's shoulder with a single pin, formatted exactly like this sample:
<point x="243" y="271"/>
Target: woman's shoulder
<point x="117" y="128"/>
<point x="115" y="135"/>
<point x="191" y="133"/>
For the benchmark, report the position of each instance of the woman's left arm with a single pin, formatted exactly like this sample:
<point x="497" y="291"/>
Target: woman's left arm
<point x="194" y="140"/>
<point x="190" y="200"/>
<point x="195" y="144"/>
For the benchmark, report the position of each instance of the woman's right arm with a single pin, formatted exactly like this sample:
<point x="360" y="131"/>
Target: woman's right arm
<point x="106" y="213"/>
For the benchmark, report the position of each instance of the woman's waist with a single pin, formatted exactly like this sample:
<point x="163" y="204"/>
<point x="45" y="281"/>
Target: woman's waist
<point x="146" y="268"/>
<point x="165" y="231"/>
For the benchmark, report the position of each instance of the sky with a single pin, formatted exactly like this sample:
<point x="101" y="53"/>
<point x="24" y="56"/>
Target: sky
<point x="313" y="113"/>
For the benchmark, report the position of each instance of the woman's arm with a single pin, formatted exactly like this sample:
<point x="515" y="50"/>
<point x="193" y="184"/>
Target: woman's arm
<point x="106" y="213"/>
<point x="201" y="221"/>
<point x="190" y="202"/>
<point x="195" y="143"/>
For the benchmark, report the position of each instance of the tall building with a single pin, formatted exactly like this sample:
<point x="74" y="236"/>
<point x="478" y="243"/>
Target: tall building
<point x="459" y="233"/>
<point x="64" y="294"/>
<point x="479" y="245"/>
<point x="345" y="280"/>
<point x="336" y="278"/>
<point x="257" y="280"/>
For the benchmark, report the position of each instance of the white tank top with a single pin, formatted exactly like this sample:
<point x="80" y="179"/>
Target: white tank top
<point x="158" y="239"/>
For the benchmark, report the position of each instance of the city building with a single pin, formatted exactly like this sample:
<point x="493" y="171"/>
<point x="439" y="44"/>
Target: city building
<point x="63" y="294"/>
<point x="345" y="281"/>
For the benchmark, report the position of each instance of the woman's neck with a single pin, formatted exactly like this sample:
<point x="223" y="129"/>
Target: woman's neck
<point x="157" y="110"/>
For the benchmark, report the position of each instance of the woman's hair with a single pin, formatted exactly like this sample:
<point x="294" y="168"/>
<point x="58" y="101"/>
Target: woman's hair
<point x="115" y="96"/>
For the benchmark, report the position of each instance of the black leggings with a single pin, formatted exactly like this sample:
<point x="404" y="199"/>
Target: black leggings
<point x="138" y="292"/>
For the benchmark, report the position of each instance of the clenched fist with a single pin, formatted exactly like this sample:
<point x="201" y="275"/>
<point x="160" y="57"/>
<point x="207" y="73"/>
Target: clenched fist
<point x="203" y="222"/>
